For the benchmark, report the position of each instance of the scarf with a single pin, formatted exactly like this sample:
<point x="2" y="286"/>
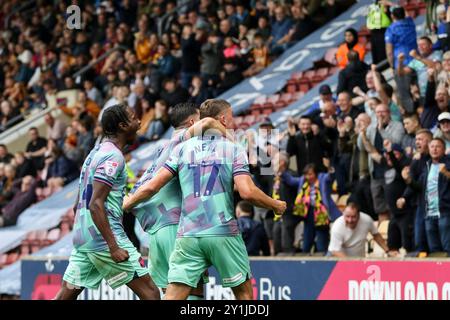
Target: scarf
<point x="303" y="203"/>
<point x="276" y="194"/>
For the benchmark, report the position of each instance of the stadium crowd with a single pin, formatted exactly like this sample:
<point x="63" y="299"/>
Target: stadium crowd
<point x="385" y="143"/>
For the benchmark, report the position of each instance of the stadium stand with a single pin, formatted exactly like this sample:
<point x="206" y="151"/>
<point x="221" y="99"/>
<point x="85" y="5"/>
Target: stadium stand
<point x="279" y="95"/>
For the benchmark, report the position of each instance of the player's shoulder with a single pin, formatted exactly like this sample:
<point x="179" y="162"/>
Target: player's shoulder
<point x="108" y="151"/>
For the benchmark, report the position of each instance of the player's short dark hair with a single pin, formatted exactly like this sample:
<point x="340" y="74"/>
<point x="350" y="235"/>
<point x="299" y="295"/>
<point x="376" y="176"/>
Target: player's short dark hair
<point x="112" y="117"/>
<point x="213" y="108"/>
<point x="180" y="112"/>
<point x="246" y="207"/>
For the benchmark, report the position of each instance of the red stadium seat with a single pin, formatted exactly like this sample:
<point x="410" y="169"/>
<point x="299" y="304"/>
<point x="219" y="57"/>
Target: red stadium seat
<point x="295" y="77"/>
<point x="3" y="258"/>
<point x="238" y="121"/>
<point x="319" y="76"/>
<point x="298" y="95"/>
<point x="12" y="257"/>
<point x="333" y="70"/>
<point x="291" y="88"/>
<point x="53" y="236"/>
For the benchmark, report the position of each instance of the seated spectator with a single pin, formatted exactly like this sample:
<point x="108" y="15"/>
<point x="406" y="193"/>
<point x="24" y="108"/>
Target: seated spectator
<point x="36" y="148"/>
<point x="55" y="127"/>
<point x="349" y="234"/>
<point x="5" y="156"/>
<point x="160" y="123"/>
<point x="280" y="27"/>
<point x="353" y="75"/>
<point x="24" y="196"/>
<point x="172" y="93"/>
<point x="58" y="170"/>
<point x="9" y="116"/>
<point x="444" y="130"/>
<point x="85" y="138"/>
<point x="260" y="55"/>
<point x="7" y="184"/>
<point x="314" y="205"/>
<point x="71" y="151"/>
<point x="230" y="76"/>
<point x="350" y="43"/>
<point x="198" y="91"/>
<point x="253" y="232"/>
<point x="231" y="49"/>
<point x="24" y="166"/>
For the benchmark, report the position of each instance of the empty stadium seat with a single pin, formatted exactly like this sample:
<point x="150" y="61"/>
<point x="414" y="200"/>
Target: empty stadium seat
<point x="320" y="75"/>
<point x="3" y="258"/>
<point x="53" y="235"/>
<point x="11" y="258"/>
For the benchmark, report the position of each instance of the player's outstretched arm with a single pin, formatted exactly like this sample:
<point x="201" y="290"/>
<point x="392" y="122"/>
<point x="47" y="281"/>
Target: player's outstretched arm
<point x="204" y="125"/>
<point x="148" y="189"/>
<point x="250" y="192"/>
<point x="98" y="213"/>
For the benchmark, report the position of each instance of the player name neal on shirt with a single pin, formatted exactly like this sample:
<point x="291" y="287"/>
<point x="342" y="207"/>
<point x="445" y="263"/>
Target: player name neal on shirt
<point x="227" y="309"/>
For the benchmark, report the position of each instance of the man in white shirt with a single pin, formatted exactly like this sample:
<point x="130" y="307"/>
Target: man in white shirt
<point x="349" y="234"/>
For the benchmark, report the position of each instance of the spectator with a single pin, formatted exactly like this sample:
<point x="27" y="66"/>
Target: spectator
<point x="436" y="102"/>
<point x="198" y="91"/>
<point x="285" y="233"/>
<point x="36" y="148"/>
<point x="211" y="60"/>
<point x="443" y="39"/>
<point x="253" y="233"/>
<point x="190" y="48"/>
<point x="421" y="61"/>
<point x="9" y="116"/>
<point x="92" y="92"/>
<point x="280" y="27"/>
<point x="24" y="196"/>
<point x="5" y="156"/>
<point x="24" y="166"/>
<point x="160" y="123"/>
<point x="411" y="125"/>
<point x="85" y="139"/>
<point x="173" y="93"/>
<point x="58" y="170"/>
<point x="230" y="76"/>
<point x="383" y="129"/>
<point x="401" y="219"/>
<point x="434" y="188"/>
<point x="55" y="127"/>
<point x="260" y="55"/>
<point x="385" y="93"/>
<point x="314" y="204"/>
<point x="306" y="146"/>
<point x="350" y="44"/>
<point x="346" y="109"/>
<point x="7" y="184"/>
<point x="444" y="130"/>
<point x="378" y="20"/>
<point x="349" y="234"/>
<point x="325" y="95"/>
<point x="400" y="37"/>
<point x="353" y="75"/>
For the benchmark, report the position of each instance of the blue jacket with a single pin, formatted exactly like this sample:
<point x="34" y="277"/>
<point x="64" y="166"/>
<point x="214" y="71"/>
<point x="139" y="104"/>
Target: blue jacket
<point x="443" y="189"/>
<point x="325" y="182"/>
<point x="254" y="236"/>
